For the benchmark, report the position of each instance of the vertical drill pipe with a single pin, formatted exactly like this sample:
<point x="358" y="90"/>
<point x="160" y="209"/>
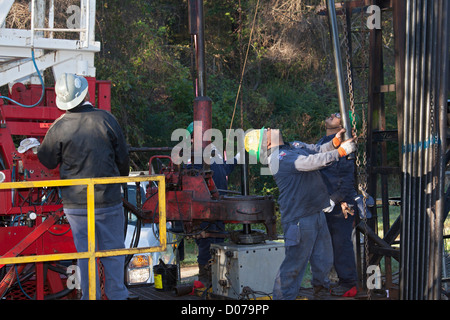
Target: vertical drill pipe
<point x="331" y="9"/>
<point x="202" y="123"/>
<point x="406" y="159"/>
<point x="403" y="281"/>
<point x="416" y="239"/>
<point x="196" y="29"/>
<point x="411" y="266"/>
<point x="427" y="49"/>
<point x="245" y="186"/>
<point x="414" y="259"/>
<point x="201" y="70"/>
<point x="431" y="69"/>
<point x="418" y="123"/>
<point x="193" y="30"/>
<point x="202" y="104"/>
<point x="413" y="214"/>
<point x="442" y="44"/>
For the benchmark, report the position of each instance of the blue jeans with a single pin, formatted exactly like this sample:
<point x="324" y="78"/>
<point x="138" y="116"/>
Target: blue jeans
<point x="109" y="234"/>
<point x="204" y="244"/>
<point x="307" y="239"/>
<point x="341" y="236"/>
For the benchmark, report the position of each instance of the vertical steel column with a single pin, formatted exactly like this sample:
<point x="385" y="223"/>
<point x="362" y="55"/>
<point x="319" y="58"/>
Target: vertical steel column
<point x="331" y="9"/>
<point x="376" y="121"/>
<point x="404" y="281"/>
<point x="196" y="26"/>
<point x="442" y="11"/>
<point x="202" y="104"/>
<point x="202" y="123"/>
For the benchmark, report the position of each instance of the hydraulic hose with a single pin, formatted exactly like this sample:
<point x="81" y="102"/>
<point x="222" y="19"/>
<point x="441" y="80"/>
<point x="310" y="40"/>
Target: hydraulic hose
<point x="42" y="84"/>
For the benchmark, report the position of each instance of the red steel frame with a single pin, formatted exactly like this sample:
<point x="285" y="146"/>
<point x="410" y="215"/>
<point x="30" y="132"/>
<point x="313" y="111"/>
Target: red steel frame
<point x="48" y="233"/>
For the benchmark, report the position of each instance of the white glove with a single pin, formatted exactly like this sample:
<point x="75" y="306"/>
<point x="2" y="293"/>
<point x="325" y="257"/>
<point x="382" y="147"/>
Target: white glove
<point x="347" y="147"/>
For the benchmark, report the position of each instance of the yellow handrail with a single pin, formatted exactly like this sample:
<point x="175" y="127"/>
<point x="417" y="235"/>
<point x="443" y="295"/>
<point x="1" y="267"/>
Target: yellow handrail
<point x="91" y="254"/>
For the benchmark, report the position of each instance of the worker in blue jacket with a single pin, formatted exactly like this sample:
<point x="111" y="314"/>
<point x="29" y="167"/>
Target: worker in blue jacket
<point x="339" y="178"/>
<point x="303" y="197"/>
<point x="221" y="170"/>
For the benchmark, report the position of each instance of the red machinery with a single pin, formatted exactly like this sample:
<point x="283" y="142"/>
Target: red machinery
<point x="191" y="195"/>
<point x="31" y="220"/>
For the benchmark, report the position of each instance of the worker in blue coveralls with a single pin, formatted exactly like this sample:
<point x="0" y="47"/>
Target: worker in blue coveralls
<point x="339" y="178"/>
<point x="303" y="197"/>
<point x="221" y="170"/>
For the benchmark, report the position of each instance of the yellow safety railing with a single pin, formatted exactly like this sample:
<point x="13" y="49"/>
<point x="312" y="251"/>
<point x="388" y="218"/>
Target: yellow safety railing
<point x="91" y="254"/>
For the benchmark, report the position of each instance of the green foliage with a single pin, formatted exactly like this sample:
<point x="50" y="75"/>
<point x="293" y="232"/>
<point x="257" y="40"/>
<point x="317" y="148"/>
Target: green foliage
<point x="298" y="111"/>
<point x="288" y="81"/>
<point x="151" y="90"/>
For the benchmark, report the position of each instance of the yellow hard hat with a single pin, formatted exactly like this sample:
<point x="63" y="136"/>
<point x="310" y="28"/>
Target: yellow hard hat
<point x="253" y="141"/>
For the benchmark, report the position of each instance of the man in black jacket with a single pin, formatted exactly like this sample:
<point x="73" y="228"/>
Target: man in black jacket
<point x="87" y="142"/>
<point x="340" y="181"/>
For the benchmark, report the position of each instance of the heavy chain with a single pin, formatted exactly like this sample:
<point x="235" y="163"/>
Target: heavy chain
<point x="361" y="157"/>
<point x="349" y="72"/>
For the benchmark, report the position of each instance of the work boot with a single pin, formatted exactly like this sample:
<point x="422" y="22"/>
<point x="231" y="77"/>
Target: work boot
<point x="320" y="292"/>
<point x="342" y="291"/>
<point x="204" y="274"/>
<point x="132" y="296"/>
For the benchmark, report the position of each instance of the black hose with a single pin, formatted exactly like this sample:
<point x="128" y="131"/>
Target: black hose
<point x="58" y="295"/>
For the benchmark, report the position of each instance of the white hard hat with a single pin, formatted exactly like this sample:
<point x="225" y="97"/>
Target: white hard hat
<point x="28" y="143"/>
<point x="70" y="90"/>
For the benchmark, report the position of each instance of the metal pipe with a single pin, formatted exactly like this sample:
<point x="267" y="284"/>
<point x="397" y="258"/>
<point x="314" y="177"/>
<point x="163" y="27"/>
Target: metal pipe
<point x="424" y="129"/>
<point x="429" y="133"/>
<point x="409" y="223"/>
<point x="245" y="185"/>
<point x="201" y="70"/>
<point x="420" y="248"/>
<point x="443" y="39"/>
<point x="202" y="104"/>
<point x="193" y="30"/>
<point x="331" y="9"/>
<point x="202" y="123"/>
<point x="405" y="181"/>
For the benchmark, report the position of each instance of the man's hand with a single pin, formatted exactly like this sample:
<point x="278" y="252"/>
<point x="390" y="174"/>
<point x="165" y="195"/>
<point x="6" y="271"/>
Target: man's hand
<point x="346" y="209"/>
<point x="340" y="134"/>
<point x="347" y="147"/>
<point x="337" y="140"/>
